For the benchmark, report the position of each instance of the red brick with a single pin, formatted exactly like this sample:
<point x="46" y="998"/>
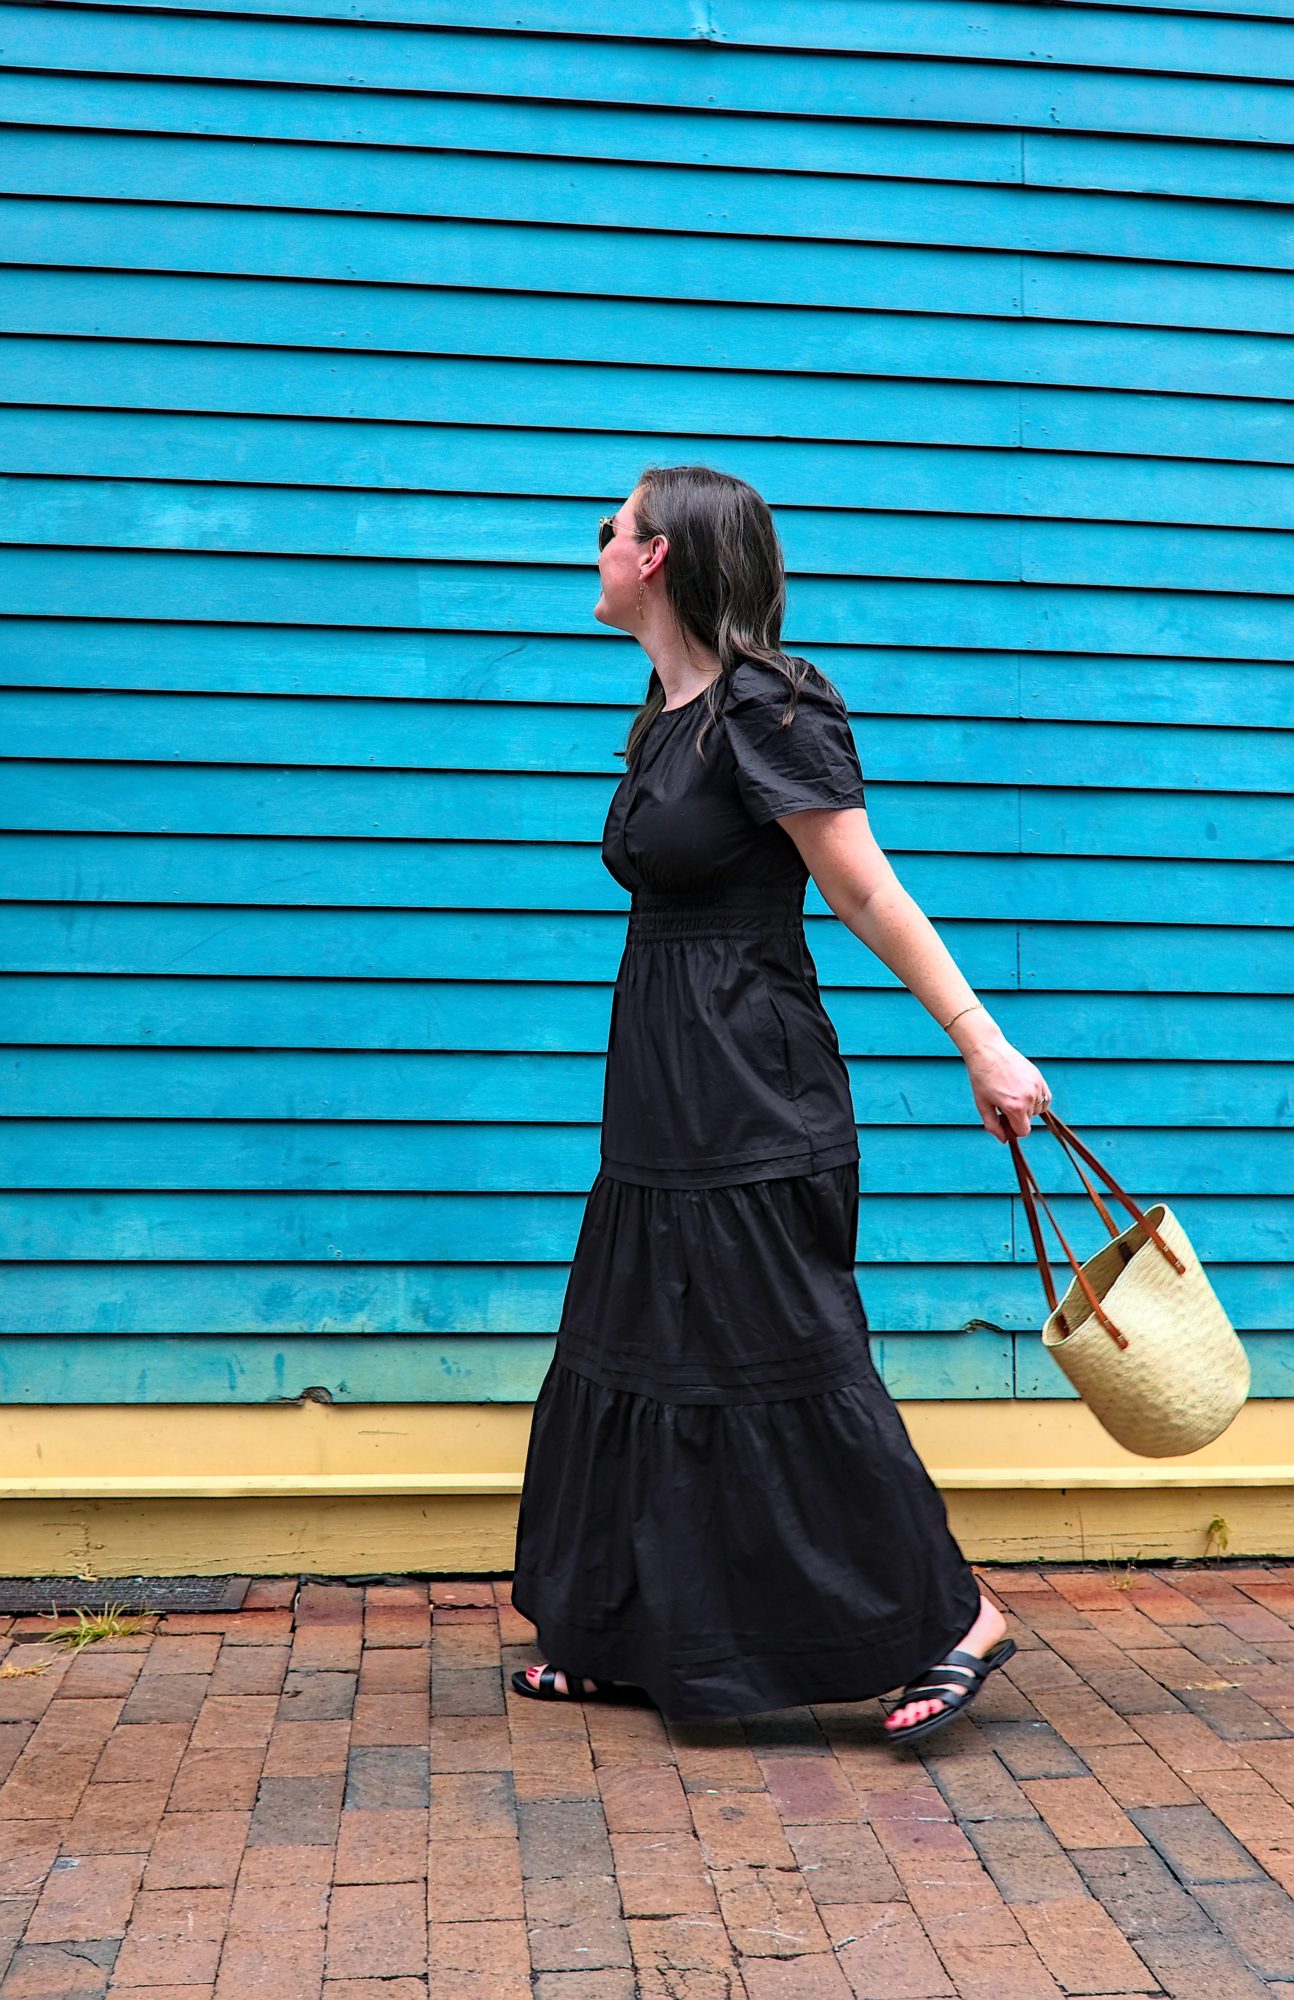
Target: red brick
<point x="396" y="1615"/>
<point x="884" y="1953"/>
<point x="46" y="1784"/>
<point x="472" y="1880"/>
<point x="21" y="1700"/>
<point x="270" y="1593"/>
<point x="476" y="1805"/>
<point x="470" y="1743"/>
<point x="166" y="1698"/>
<point x="285" y="1965"/>
<point x="918" y="1800"/>
<point x="307" y="1749"/>
<point x="173" y="1938"/>
<point x="264" y="1629"/>
<point x="1164" y="1603"/>
<point x="324" y="1645"/>
<point x="1081" y="1717"/>
<point x="382" y="1845"/>
<point x="991" y="1923"/>
<point x="377" y="1930"/>
<point x="465" y="1645"/>
<point x="396" y="1670"/>
<point x="644" y="1798"/>
<point x="82" y="1724"/>
<point x="249" y="1670"/>
<point x="146" y="1752"/>
<point x="999" y="1972"/>
<point x="805" y="1789"/>
<point x="197" y="1850"/>
<point x="15" y="1912"/>
<point x="1081" y="1813"/>
<point x="737" y="1828"/>
<point x="335" y="1604"/>
<point x="217" y="1780"/>
<point x="844" y="1864"/>
<point x="1187" y="1744"/>
<point x="661" y="1875"/>
<point x="56" y="1972"/>
<point x="1201" y="1967"/>
<point x="13" y="1737"/>
<point x="194" y="1655"/>
<point x="390" y="1718"/>
<point x="292" y="1811"/>
<point x="116" y="1819"/>
<point x="1087" y="1589"/>
<point x="86" y="1898"/>
<point x="1134" y="1775"/>
<point x="665" y="1983"/>
<point x="381" y="1989"/>
<point x="1082" y="1948"/>
<point x="769" y="1912"/>
<point x="326" y="1697"/>
<point x="94" y="1673"/>
<point x="235" y="1722"/>
<point x="288" y="1864"/>
<point x="684" y="1943"/>
<point x="461" y="1592"/>
<point x="499" y="1948"/>
<point x="267" y="1907"/>
<point x="28" y="1850"/>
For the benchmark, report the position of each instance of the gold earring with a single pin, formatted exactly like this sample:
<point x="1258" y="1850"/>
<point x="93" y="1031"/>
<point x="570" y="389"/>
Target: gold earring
<point x="640" y="593"/>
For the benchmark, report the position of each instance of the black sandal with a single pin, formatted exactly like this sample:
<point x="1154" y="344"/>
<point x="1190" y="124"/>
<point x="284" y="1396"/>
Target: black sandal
<point x="548" y="1689"/>
<point x="972" y="1669"/>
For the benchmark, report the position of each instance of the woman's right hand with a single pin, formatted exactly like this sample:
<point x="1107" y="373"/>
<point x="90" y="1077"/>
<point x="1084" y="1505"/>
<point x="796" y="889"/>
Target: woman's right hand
<point x="1005" y="1081"/>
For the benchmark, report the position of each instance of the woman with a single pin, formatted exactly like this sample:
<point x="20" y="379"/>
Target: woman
<point x="721" y="1505"/>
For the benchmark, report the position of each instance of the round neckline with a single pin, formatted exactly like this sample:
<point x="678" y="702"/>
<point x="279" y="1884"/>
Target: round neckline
<point x="688" y="704"/>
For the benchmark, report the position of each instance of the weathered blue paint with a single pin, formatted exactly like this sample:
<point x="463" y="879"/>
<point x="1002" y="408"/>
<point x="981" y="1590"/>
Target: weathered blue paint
<point x="310" y="732"/>
<point x="501" y="1368"/>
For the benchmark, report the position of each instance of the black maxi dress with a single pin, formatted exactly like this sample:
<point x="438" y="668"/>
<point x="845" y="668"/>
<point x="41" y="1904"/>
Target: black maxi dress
<point x="721" y="1502"/>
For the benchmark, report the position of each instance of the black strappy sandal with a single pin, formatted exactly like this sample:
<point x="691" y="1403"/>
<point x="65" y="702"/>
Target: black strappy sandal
<point x="971" y="1670"/>
<point x="548" y="1689"/>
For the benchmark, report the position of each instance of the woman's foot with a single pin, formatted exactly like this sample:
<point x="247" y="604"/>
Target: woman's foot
<point x="984" y="1634"/>
<point x="560" y="1681"/>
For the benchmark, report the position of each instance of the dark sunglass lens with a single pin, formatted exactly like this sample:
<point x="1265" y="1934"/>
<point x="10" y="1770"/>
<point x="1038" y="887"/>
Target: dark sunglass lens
<point x="606" y="533"/>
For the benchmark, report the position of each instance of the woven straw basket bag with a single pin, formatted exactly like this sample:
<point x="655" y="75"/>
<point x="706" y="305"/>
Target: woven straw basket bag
<point x="1140" y="1333"/>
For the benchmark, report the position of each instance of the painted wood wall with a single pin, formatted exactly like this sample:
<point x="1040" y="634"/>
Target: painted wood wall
<point x="328" y="341"/>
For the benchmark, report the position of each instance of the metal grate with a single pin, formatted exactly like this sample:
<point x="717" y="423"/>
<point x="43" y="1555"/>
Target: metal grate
<point x="35" y="1596"/>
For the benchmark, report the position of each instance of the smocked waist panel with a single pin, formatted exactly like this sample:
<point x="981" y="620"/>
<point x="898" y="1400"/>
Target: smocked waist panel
<point x="734" y="915"/>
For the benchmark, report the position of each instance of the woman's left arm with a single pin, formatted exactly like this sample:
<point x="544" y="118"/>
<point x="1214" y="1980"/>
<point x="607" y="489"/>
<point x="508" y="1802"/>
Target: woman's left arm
<point x="841" y="853"/>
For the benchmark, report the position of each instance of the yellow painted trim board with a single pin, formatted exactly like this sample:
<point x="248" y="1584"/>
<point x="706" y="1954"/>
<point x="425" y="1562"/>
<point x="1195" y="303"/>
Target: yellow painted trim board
<point x="344" y="1489"/>
<point x="352" y="1451"/>
<point x="475" y="1534"/>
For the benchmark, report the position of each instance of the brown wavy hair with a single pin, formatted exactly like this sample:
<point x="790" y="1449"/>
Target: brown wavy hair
<point x="725" y="580"/>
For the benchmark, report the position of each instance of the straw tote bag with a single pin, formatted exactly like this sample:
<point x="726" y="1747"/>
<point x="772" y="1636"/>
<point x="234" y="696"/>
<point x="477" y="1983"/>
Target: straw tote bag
<point x="1140" y="1333"/>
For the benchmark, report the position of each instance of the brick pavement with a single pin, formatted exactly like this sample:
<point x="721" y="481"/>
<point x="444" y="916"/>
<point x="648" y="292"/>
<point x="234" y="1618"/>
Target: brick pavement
<point x="327" y="1795"/>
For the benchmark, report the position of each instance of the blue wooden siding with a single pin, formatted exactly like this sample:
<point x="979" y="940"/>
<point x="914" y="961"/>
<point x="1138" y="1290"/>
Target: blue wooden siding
<point x="327" y="341"/>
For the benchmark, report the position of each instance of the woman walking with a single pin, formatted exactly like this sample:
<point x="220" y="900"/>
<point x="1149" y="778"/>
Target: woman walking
<point x="721" y="1507"/>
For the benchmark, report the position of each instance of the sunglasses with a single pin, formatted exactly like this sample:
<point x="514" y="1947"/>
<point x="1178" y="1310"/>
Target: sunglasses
<point x="606" y="531"/>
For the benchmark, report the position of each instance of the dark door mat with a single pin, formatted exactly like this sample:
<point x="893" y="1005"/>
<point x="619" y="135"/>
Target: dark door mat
<point x="36" y="1596"/>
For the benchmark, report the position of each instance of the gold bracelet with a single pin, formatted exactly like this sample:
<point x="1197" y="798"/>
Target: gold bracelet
<point x="960" y="1011"/>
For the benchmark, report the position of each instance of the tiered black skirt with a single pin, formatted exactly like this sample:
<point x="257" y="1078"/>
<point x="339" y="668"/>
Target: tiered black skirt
<point x="721" y="1502"/>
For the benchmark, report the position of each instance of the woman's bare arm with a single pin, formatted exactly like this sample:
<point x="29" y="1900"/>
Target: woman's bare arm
<point x="842" y="855"/>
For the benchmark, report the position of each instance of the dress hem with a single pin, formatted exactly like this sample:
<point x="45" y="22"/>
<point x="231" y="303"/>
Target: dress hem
<point x="860" y="1667"/>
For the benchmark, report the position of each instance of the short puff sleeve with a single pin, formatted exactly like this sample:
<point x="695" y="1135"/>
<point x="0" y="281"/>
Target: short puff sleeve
<point x="810" y="762"/>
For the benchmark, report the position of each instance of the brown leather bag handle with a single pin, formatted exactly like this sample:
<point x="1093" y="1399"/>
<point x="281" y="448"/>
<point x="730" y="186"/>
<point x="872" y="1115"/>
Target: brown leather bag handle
<point x="1032" y="1194"/>
<point x="1067" y="1140"/>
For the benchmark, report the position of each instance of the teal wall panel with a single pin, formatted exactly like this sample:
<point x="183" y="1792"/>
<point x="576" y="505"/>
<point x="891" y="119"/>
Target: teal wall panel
<point x="306" y="947"/>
